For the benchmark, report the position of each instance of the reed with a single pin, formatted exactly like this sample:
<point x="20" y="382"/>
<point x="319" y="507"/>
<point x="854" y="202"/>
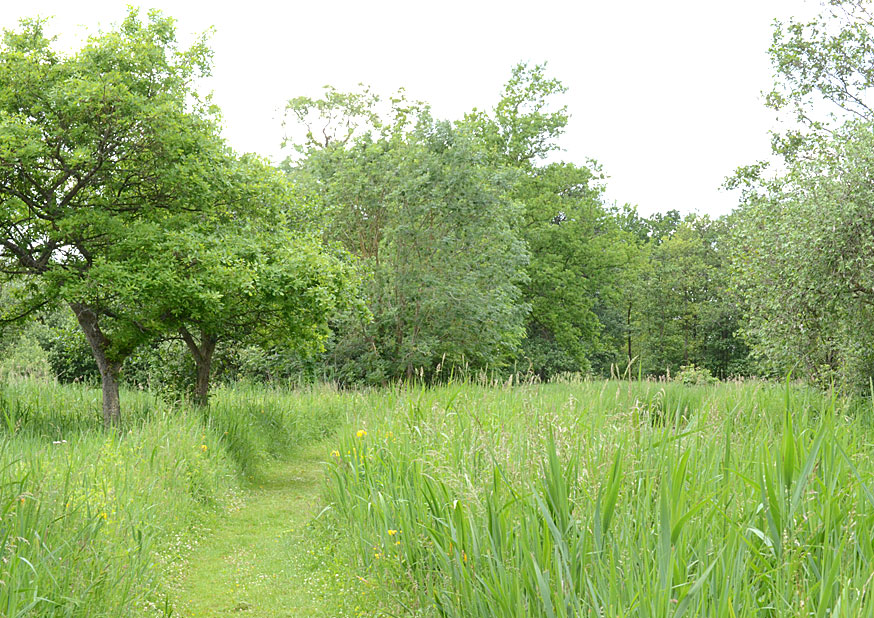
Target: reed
<point x="611" y="499"/>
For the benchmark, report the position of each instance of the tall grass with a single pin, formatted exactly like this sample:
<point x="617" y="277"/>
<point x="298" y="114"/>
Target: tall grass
<point x="612" y="499"/>
<point x="90" y="518"/>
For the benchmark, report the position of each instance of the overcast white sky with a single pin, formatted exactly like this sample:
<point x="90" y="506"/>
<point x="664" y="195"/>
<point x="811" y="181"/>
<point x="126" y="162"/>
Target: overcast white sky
<point x="666" y="95"/>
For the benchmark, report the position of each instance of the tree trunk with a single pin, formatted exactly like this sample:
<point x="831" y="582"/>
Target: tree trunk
<point x="203" y="354"/>
<point x="628" y="333"/>
<point x="109" y="368"/>
<point x="201" y="386"/>
<point x="111" y="402"/>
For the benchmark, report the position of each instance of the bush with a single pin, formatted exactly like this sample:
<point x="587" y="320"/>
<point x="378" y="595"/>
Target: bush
<point x="691" y="375"/>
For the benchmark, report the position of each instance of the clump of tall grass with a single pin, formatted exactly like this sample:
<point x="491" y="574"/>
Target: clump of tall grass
<point x="612" y="499"/>
<point x="258" y="422"/>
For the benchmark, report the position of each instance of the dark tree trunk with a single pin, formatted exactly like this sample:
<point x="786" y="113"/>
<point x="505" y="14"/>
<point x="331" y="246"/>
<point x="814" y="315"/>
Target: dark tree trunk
<point x="628" y="333"/>
<point x="203" y="353"/>
<point x="109" y="368"/>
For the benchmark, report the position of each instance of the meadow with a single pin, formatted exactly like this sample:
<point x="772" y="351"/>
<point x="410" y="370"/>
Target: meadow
<point x="589" y="498"/>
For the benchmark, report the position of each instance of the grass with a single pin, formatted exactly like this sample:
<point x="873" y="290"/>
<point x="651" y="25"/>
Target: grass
<point x="269" y="558"/>
<point x="85" y="516"/>
<point x="611" y="499"/>
<point x="95" y="523"/>
<point x="578" y="499"/>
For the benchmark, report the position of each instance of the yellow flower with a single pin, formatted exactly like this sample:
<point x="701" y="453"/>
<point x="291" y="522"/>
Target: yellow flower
<point x="103" y="515"/>
<point x="335" y="453"/>
<point x="392" y="532"/>
<point x="203" y="447"/>
<point x="361" y="433"/>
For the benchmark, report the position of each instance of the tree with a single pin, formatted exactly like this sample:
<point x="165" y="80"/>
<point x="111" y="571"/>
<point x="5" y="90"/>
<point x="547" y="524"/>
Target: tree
<point x="679" y="287"/>
<point x="254" y="281"/>
<point x="524" y="126"/>
<point x="416" y="201"/>
<point x="823" y="70"/>
<point x="577" y="250"/>
<point x="100" y="153"/>
<point x="577" y="254"/>
<point x="802" y="262"/>
<point x="803" y="243"/>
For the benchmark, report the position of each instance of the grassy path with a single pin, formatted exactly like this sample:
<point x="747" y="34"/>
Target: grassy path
<point x="266" y="560"/>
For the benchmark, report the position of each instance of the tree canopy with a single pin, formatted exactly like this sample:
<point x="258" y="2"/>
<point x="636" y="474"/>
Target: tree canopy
<point x="119" y="198"/>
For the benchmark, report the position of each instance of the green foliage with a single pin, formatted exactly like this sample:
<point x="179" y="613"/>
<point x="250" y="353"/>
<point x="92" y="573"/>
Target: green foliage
<point x="822" y="73"/>
<point x="65" y="348"/>
<point x="674" y="307"/>
<point x="258" y="282"/>
<point x="523" y="126"/>
<point x="676" y="291"/>
<point x="430" y="221"/>
<point x="120" y="199"/>
<point x="76" y="158"/>
<point x="100" y="153"/>
<point x="577" y="255"/>
<point x="690" y="375"/>
<point x="802" y="243"/>
<point x="802" y="248"/>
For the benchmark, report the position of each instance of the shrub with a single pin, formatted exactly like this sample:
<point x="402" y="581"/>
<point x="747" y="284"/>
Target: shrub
<point x="691" y="375"/>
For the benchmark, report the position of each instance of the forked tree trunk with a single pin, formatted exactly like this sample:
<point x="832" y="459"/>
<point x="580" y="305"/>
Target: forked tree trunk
<point x="203" y="353"/>
<point x="108" y="368"/>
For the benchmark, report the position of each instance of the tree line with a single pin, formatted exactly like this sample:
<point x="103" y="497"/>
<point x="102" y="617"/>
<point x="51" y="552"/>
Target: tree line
<point x="138" y="246"/>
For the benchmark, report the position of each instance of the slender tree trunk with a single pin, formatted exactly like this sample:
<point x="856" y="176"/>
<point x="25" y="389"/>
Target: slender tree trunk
<point x="109" y="368"/>
<point x="628" y="333"/>
<point x="203" y="353"/>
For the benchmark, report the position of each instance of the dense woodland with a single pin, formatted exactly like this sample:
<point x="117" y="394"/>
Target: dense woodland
<point x="138" y="247"/>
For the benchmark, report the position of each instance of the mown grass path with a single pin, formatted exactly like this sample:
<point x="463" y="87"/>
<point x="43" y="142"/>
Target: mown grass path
<point x="265" y="560"/>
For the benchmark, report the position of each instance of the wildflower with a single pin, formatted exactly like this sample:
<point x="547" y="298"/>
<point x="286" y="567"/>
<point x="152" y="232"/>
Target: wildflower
<point x="103" y="515"/>
<point x="335" y="453"/>
<point x="361" y="433"/>
<point x="392" y="532"/>
<point x="203" y="447"/>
